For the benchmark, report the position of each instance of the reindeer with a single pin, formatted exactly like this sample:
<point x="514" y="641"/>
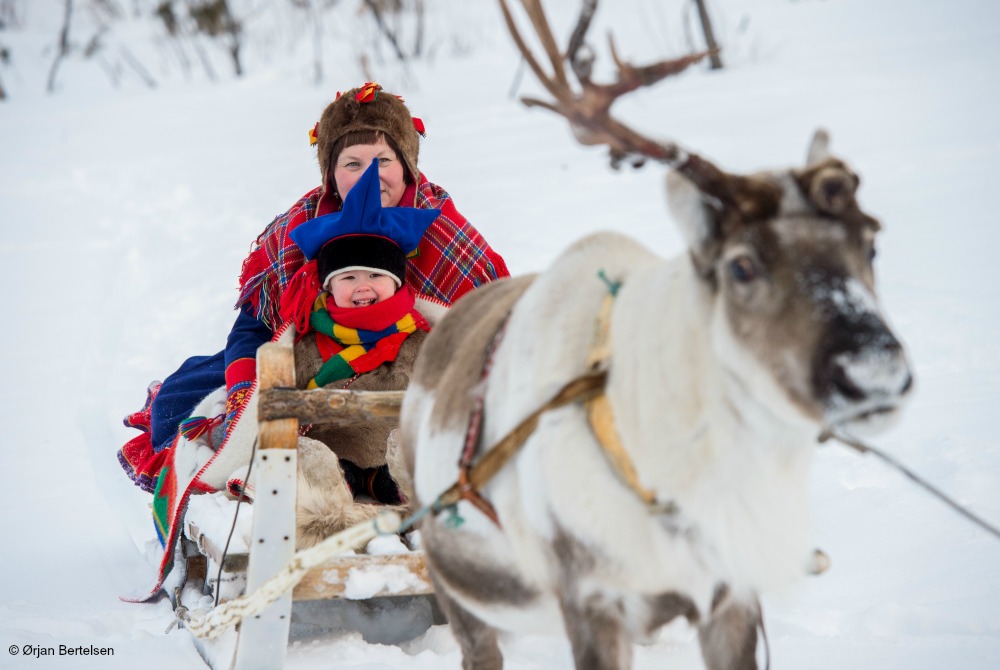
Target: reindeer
<point x="676" y="485"/>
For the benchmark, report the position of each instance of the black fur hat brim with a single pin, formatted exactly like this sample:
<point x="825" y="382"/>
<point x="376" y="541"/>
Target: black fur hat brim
<point x="361" y="251"/>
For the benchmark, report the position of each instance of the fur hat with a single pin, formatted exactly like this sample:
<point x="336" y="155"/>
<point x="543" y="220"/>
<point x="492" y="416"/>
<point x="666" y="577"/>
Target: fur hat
<point x="368" y="108"/>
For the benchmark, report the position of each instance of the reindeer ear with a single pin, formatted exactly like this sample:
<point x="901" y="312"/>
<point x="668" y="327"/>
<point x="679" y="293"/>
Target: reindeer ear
<point x="828" y="182"/>
<point x="831" y="189"/>
<point x="819" y="147"/>
<point x="698" y="216"/>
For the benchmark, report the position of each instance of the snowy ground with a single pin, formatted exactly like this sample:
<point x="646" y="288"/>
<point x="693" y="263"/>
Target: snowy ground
<point x="119" y="209"/>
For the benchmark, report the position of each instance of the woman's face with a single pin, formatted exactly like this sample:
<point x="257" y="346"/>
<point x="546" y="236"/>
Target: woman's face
<point x="360" y="288"/>
<point x="353" y="161"/>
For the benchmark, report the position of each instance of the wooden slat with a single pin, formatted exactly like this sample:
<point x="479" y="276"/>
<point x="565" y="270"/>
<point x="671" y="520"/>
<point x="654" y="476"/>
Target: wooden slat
<point x="276" y="368"/>
<point x="330" y="580"/>
<point x="263" y="638"/>
<point x="330" y="406"/>
<point x="316" y="585"/>
<point x="233" y="562"/>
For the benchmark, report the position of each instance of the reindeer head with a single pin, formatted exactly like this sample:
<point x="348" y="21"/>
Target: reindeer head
<point x="786" y="258"/>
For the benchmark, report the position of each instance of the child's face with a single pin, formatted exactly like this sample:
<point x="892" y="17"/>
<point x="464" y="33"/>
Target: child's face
<point x="353" y="161"/>
<point x="360" y="288"/>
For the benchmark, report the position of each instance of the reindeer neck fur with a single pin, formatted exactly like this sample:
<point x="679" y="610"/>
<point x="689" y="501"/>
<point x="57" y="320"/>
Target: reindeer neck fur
<point x="735" y="464"/>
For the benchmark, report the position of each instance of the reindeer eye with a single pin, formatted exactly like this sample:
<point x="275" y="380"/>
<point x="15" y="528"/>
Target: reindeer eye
<point x="871" y="254"/>
<point x="743" y="269"/>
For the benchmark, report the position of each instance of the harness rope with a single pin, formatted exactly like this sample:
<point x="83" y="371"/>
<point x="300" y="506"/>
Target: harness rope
<point x="210" y="625"/>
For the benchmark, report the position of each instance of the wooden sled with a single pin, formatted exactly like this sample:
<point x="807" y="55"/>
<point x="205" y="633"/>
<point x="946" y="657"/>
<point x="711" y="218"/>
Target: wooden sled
<point x="261" y="641"/>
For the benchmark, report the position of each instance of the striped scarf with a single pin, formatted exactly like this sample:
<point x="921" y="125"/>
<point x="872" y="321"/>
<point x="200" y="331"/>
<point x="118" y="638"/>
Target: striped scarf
<point x="355" y="340"/>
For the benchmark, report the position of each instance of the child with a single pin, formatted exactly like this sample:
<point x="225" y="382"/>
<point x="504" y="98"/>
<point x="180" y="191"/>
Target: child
<point x="361" y="331"/>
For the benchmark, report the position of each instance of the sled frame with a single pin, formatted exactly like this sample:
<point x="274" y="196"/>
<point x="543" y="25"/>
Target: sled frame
<point x="262" y="641"/>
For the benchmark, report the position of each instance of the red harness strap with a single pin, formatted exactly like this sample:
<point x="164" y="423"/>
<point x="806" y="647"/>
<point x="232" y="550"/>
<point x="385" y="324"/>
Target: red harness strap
<point x="473" y="435"/>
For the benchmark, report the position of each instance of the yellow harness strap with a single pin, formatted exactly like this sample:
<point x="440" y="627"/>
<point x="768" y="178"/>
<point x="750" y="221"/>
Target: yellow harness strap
<point x="602" y="423"/>
<point x="599" y="414"/>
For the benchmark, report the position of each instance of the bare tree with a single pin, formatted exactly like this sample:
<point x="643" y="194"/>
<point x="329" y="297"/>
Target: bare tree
<point x="4" y="59"/>
<point x="376" y="9"/>
<point x="315" y="9"/>
<point x="241" y="28"/>
<point x="706" y="27"/>
<point x="63" y="46"/>
<point x="8" y="16"/>
<point x="186" y="21"/>
<point x="382" y="9"/>
<point x="215" y="18"/>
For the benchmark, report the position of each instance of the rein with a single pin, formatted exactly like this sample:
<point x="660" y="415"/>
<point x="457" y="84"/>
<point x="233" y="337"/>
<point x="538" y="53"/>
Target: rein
<point x="863" y="448"/>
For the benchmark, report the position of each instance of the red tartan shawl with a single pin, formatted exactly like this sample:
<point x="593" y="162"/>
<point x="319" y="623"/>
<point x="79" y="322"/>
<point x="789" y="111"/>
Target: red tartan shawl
<point x="451" y="260"/>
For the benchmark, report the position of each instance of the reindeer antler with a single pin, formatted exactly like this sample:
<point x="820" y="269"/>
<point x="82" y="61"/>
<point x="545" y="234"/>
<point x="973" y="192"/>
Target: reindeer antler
<point x="589" y="110"/>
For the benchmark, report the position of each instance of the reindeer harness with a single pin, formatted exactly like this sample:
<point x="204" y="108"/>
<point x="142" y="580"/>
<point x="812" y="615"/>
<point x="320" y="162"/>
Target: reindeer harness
<point x="588" y="389"/>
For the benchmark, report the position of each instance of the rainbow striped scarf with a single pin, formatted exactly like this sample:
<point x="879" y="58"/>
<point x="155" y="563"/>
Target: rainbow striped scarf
<point x="355" y="340"/>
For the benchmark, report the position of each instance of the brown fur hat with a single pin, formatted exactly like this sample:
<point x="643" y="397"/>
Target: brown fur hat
<point x="368" y="108"/>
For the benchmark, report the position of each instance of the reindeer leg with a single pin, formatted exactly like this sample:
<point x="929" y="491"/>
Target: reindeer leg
<point x="729" y="638"/>
<point x="477" y="639"/>
<point x="596" y="633"/>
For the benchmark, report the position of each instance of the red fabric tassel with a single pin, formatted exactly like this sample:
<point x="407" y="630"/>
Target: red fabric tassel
<point x="299" y="296"/>
<point x="252" y="273"/>
<point x="418" y="125"/>
<point x="368" y="92"/>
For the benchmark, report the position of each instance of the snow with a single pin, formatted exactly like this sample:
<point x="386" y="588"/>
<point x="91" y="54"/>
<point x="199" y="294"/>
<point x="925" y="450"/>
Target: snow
<point x="127" y="212"/>
<point x="209" y="510"/>
<point x="363" y="583"/>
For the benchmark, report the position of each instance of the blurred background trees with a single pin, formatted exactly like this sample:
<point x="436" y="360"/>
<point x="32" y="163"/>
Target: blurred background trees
<point x="49" y="45"/>
<point x="151" y="41"/>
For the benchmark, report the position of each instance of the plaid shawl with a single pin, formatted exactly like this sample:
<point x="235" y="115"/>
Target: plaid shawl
<point x="451" y="260"/>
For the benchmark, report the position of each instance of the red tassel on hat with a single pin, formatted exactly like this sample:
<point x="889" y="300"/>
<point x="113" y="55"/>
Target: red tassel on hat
<point x="314" y="134"/>
<point x="368" y="92"/>
<point x="418" y="125"/>
<point x="299" y="296"/>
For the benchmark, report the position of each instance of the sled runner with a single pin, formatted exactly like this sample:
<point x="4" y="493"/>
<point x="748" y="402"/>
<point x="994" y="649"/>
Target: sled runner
<point x="260" y="639"/>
